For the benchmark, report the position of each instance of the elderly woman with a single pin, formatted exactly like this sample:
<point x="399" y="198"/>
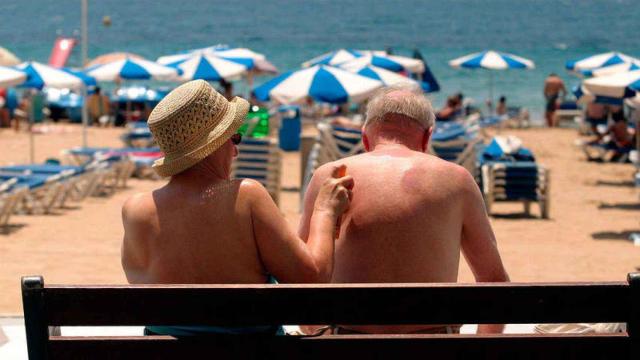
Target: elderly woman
<point x="204" y="228"/>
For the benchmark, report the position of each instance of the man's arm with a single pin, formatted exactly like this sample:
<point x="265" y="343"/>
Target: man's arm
<point x="479" y="244"/>
<point x="134" y="257"/>
<point x="284" y="254"/>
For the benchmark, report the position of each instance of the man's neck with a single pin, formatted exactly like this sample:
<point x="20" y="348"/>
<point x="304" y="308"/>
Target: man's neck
<point x="392" y="145"/>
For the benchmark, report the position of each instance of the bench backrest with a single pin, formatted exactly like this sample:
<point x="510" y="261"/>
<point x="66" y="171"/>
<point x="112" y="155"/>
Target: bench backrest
<point x="249" y="305"/>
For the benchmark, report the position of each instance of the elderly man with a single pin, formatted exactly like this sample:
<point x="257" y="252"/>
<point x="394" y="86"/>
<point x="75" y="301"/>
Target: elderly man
<point x="202" y="227"/>
<point x="553" y="90"/>
<point x="411" y="212"/>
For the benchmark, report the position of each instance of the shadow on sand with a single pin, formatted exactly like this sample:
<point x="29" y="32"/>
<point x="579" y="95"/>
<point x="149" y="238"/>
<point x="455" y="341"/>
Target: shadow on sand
<point x="620" y="206"/>
<point x="11" y="228"/>
<point x="615" y="183"/>
<point x="517" y="216"/>
<point x="614" y="235"/>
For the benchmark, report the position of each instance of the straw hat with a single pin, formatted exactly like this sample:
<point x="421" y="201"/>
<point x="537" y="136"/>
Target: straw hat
<point x="192" y="122"/>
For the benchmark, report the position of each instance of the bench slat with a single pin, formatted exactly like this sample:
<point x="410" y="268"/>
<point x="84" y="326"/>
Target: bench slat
<point x="346" y="346"/>
<point x="328" y="304"/>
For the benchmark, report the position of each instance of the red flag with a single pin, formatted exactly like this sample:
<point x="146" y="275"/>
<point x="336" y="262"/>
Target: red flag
<point x="61" y="51"/>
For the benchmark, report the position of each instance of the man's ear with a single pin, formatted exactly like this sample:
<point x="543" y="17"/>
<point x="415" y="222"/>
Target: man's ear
<point x="365" y="141"/>
<point x="426" y="136"/>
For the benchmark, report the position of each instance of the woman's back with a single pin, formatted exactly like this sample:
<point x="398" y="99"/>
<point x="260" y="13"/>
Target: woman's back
<point x="201" y="233"/>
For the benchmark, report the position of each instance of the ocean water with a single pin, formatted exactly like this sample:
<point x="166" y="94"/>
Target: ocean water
<point x="289" y="32"/>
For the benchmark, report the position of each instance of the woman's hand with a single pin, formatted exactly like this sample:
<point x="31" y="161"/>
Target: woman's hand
<point x="335" y="194"/>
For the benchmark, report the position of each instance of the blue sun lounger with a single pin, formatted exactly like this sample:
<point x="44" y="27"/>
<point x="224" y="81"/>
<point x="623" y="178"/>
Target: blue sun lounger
<point x="43" y="190"/>
<point x="514" y="177"/>
<point x="456" y="143"/>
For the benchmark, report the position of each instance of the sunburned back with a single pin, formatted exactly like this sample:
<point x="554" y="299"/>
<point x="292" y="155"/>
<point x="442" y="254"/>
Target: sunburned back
<point x="196" y="237"/>
<point x="405" y="220"/>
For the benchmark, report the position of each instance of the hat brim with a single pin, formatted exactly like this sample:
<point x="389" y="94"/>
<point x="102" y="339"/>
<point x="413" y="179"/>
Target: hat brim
<point x="229" y="125"/>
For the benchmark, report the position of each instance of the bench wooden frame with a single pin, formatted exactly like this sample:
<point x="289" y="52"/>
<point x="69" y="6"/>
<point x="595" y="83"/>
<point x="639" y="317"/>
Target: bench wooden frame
<point x="243" y="305"/>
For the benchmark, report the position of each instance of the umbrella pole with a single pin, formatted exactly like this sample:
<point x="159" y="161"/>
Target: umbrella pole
<point x="490" y="92"/>
<point x="85" y="116"/>
<point x="31" y="144"/>
<point x="249" y="83"/>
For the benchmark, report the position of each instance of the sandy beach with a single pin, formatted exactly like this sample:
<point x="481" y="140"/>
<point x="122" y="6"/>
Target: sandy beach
<point x="594" y="208"/>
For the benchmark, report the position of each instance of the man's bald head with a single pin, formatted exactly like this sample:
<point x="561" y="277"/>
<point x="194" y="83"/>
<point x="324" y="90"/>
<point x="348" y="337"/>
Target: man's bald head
<point x="400" y="100"/>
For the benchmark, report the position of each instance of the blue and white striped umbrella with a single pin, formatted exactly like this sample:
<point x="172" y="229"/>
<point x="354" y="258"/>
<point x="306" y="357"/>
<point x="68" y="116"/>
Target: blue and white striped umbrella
<point x="492" y="60"/>
<point x="388" y="78"/>
<point x="600" y="61"/>
<point x="389" y="62"/>
<point x="610" y="70"/>
<point x="209" y="68"/>
<point x="133" y="69"/>
<point x="10" y="77"/>
<point x="40" y="75"/>
<point x="249" y="58"/>
<point x="334" y="58"/>
<point x="322" y="83"/>
<point x="620" y="85"/>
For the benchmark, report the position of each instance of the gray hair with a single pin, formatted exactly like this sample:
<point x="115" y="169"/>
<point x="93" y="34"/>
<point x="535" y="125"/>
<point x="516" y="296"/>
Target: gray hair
<point x="414" y="105"/>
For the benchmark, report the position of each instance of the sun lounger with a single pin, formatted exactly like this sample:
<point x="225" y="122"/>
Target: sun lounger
<point x="260" y="160"/>
<point x="457" y="143"/>
<point x="138" y="135"/>
<point x="9" y="199"/>
<point x="513" y="177"/>
<point x="43" y="191"/>
<point x="46" y="306"/>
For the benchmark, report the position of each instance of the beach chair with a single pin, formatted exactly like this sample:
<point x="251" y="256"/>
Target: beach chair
<point x="9" y="199"/>
<point x="43" y="191"/>
<point x="513" y="176"/>
<point x="456" y="143"/>
<point x="260" y="160"/>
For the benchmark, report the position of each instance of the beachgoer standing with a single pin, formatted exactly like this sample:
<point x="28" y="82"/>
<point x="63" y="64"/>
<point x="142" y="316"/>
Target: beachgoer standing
<point x="202" y="227"/>
<point x="411" y="212"/>
<point x="553" y="90"/>
<point x="99" y="107"/>
<point x="501" y="109"/>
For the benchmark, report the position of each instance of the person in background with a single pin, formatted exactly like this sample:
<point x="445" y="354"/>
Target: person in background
<point x="227" y="89"/>
<point x="622" y="137"/>
<point x="501" y="109"/>
<point x="553" y="90"/>
<point x="596" y="115"/>
<point x="99" y="107"/>
<point x="4" y="112"/>
<point x="448" y="112"/>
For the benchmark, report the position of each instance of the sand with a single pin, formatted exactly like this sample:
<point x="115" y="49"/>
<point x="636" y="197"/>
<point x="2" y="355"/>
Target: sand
<point x="594" y="208"/>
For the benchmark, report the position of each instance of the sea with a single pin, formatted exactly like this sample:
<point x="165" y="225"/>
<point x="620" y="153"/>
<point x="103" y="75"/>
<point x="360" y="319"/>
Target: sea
<point x="288" y="32"/>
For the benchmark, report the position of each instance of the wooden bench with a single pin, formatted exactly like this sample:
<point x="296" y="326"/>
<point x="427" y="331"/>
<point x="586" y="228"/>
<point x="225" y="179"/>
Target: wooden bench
<point x="245" y="305"/>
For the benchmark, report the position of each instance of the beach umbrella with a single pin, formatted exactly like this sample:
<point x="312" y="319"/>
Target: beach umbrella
<point x="133" y="69"/>
<point x="620" y="85"/>
<point x="322" y="83"/>
<point x="600" y="61"/>
<point x="7" y="58"/>
<point x="41" y="75"/>
<point x="492" y="60"/>
<point x="389" y="62"/>
<point x="334" y="58"/>
<point x="388" y="78"/>
<point x="209" y="68"/>
<point x="111" y="57"/>
<point x="249" y="58"/>
<point x="254" y="61"/>
<point x="10" y="77"/>
<point x="610" y="70"/>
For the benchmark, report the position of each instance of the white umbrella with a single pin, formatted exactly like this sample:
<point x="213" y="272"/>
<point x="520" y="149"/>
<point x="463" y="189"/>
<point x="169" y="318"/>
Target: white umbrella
<point x="389" y="62"/>
<point x="620" y="85"/>
<point x="10" y="77"/>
